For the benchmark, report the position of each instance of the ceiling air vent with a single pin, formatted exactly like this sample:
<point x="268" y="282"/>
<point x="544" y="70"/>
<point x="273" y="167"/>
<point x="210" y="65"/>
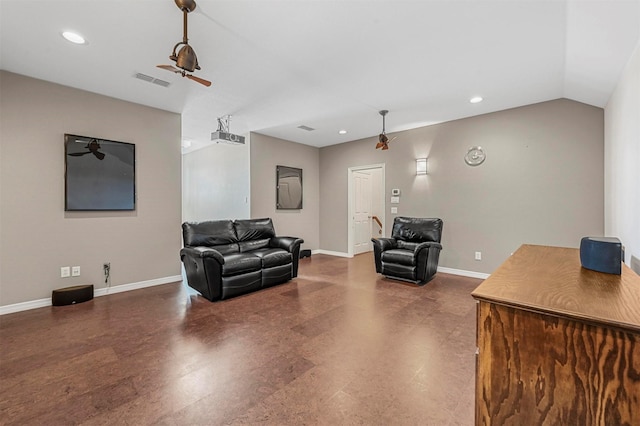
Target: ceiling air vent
<point x="307" y="128"/>
<point x="150" y="79"/>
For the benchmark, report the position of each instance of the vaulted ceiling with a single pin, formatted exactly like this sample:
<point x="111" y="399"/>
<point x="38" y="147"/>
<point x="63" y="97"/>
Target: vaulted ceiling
<point x="328" y="65"/>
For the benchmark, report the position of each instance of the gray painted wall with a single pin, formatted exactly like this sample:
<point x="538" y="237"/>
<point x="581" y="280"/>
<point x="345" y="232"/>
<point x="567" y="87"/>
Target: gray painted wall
<point x="215" y="183"/>
<point x="622" y="162"/>
<point x="267" y="153"/>
<point x="37" y="236"/>
<point x="542" y="181"/>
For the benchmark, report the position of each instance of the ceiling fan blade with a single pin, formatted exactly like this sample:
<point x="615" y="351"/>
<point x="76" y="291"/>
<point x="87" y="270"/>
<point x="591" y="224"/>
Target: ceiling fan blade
<point x="169" y="68"/>
<point x="79" y="154"/>
<point x="379" y="145"/>
<point x="198" y="79"/>
<point x="385" y="147"/>
<point x="99" y="155"/>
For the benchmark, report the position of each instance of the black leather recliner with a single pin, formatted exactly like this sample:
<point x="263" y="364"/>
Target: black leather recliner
<point x="225" y="258"/>
<point x="412" y="252"/>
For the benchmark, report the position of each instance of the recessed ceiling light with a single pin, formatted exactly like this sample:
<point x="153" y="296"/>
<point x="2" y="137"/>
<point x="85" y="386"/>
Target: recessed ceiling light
<point x="74" y="37"/>
<point x="475" y="99"/>
<point x="343" y="132"/>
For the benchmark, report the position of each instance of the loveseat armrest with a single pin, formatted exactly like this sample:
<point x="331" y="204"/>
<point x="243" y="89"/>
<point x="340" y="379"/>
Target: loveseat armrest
<point x="286" y="243"/>
<point x="203" y="266"/>
<point x="292" y="245"/>
<point x="202" y="252"/>
<point x="380" y="245"/>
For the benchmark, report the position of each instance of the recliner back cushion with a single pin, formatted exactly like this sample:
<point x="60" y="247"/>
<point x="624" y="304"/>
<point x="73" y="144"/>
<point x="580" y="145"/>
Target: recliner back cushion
<point x="254" y="229"/>
<point x="417" y="229"/>
<point x="210" y="233"/>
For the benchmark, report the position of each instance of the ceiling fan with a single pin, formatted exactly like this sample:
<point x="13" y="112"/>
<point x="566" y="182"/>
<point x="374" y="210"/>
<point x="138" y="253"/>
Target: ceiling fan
<point x="93" y="146"/>
<point x="186" y="58"/>
<point x="383" y="140"/>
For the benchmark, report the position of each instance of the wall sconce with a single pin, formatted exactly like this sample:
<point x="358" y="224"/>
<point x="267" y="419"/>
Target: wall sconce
<point x="421" y="166"/>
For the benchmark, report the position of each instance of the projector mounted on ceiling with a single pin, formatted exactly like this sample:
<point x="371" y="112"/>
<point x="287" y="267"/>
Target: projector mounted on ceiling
<point x="222" y="135"/>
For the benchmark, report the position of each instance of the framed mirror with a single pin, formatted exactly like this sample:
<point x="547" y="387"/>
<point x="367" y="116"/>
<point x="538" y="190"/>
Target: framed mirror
<point x="288" y="188"/>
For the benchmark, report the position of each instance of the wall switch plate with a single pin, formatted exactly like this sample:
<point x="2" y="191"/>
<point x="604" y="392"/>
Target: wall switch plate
<point x="395" y="200"/>
<point x="65" y="272"/>
<point x="478" y="255"/>
<point x="394" y="210"/>
<point x="395" y="192"/>
<point x="75" y="271"/>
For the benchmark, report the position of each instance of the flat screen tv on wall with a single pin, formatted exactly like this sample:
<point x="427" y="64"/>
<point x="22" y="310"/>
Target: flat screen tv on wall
<point x="99" y="174"/>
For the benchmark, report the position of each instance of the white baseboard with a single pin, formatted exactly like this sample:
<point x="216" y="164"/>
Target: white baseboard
<point x="331" y="253"/>
<point x="463" y="273"/>
<point x="24" y="306"/>
<point x="41" y="303"/>
<point x="134" y="286"/>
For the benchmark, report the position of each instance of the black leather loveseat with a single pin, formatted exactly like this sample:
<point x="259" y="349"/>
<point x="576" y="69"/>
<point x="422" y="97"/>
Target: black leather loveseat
<point x="225" y="258"/>
<point x="412" y="252"/>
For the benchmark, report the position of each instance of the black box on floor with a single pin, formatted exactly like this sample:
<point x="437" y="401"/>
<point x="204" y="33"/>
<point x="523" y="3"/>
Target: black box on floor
<point x="305" y="253"/>
<point x="71" y="295"/>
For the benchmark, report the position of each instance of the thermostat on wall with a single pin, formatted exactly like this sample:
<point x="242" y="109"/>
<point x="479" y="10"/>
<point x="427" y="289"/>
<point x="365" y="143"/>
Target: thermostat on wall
<point x="395" y="192"/>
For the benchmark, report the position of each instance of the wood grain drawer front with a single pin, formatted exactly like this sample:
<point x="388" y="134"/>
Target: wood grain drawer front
<point x="537" y="369"/>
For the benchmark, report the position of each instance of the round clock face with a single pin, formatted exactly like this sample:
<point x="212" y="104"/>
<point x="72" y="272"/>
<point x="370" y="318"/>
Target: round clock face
<point x="475" y="156"/>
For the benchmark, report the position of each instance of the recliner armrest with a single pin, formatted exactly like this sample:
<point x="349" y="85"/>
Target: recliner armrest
<point x="384" y="243"/>
<point x="289" y="244"/>
<point x="202" y="252"/>
<point x="380" y="245"/>
<point x="427" y="244"/>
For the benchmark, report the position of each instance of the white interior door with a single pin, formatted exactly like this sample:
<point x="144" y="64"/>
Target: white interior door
<point x="362" y="212"/>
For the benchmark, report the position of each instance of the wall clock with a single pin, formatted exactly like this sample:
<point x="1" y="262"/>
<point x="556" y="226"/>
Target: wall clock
<point x="475" y="156"/>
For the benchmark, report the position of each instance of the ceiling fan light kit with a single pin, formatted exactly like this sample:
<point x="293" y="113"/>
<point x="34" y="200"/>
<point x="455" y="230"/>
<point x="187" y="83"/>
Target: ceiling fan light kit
<point x="185" y="58"/>
<point x="383" y="140"/>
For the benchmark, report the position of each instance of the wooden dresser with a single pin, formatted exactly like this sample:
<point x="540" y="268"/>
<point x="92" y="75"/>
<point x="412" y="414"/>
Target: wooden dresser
<point x="557" y="344"/>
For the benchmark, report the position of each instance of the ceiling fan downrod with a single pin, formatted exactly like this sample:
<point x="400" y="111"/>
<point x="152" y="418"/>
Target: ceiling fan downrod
<point x="383" y="113"/>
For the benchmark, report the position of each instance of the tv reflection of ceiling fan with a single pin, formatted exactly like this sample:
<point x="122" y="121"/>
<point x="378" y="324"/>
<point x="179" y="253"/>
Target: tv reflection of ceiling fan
<point x="185" y="58"/>
<point x="383" y="140"/>
<point x="93" y="148"/>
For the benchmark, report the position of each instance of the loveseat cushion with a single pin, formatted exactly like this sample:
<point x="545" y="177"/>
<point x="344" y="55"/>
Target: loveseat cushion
<point x="240" y="263"/>
<point x="227" y="248"/>
<point x="273" y="257"/>
<point x="399" y="256"/>
<point x="254" y="229"/>
<point x="251" y="245"/>
<point x="210" y="233"/>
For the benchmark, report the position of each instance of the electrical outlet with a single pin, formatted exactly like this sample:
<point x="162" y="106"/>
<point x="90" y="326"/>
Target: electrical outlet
<point x="478" y="255"/>
<point x="75" y="271"/>
<point x="65" y="272"/>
